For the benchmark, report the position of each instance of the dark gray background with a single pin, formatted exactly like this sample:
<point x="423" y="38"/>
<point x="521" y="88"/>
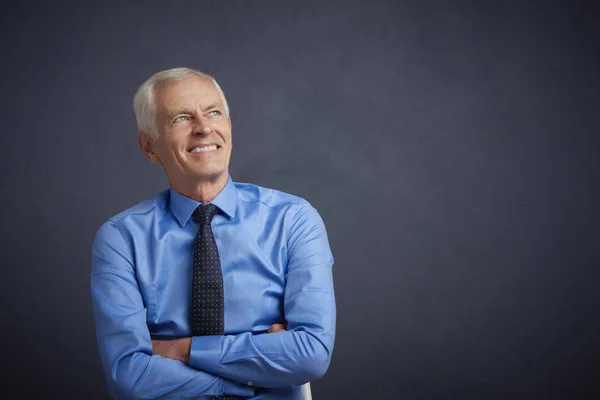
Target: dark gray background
<point x="451" y="148"/>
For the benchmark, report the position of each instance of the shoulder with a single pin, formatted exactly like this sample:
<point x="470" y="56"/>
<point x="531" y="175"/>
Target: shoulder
<point x="296" y="211"/>
<point x="142" y="211"/>
<point x="250" y="193"/>
<point x="156" y="203"/>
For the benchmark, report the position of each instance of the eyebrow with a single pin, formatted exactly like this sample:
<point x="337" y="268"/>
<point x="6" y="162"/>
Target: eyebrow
<point x="213" y="105"/>
<point x="190" y="111"/>
<point x="180" y="111"/>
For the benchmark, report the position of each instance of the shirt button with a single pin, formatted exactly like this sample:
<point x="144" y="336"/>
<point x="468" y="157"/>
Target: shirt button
<point x="250" y="383"/>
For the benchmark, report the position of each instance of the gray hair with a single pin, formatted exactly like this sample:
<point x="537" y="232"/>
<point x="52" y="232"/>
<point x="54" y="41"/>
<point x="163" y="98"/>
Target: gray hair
<point x="145" y="106"/>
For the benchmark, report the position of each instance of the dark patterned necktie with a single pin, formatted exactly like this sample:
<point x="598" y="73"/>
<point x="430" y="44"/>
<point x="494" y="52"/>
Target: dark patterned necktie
<point x="207" y="282"/>
<point x="207" y="289"/>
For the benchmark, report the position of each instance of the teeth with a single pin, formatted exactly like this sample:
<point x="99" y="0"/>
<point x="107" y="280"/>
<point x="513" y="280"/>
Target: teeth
<point x="206" y="148"/>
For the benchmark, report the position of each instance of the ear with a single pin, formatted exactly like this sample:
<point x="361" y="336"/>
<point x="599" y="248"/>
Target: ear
<point x="146" y="143"/>
<point x="230" y="135"/>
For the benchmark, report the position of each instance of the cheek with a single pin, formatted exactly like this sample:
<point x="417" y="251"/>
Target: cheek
<point x="226" y="136"/>
<point x="171" y="143"/>
<point x="165" y="151"/>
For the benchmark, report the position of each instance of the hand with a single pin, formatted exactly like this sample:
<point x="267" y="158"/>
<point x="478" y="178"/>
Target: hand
<point x="175" y="349"/>
<point x="277" y="328"/>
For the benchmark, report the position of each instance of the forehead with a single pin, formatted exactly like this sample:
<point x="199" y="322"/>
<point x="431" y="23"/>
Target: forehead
<point x="190" y="92"/>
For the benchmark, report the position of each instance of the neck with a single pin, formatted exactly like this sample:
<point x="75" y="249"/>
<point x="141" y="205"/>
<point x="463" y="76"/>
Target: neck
<point x="203" y="190"/>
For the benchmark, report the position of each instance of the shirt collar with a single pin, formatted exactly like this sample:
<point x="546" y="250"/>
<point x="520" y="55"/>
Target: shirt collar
<point x="183" y="207"/>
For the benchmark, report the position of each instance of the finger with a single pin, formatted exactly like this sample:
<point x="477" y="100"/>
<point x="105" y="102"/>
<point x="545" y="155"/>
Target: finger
<point x="277" y="328"/>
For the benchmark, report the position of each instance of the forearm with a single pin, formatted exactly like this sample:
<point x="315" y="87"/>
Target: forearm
<point x="266" y="360"/>
<point x="150" y="377"/>
<point x="139" y="375"/>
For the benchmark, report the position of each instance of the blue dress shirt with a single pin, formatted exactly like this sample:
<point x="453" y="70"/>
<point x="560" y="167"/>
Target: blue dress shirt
<point x="277" y="267"/>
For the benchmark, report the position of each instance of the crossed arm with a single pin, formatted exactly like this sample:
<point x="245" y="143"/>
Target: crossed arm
<point x="179" y="349"/>
<point x="139" y="367"/>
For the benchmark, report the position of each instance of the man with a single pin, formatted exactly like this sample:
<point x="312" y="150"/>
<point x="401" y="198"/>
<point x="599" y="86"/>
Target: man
<point x="210" y="289"/>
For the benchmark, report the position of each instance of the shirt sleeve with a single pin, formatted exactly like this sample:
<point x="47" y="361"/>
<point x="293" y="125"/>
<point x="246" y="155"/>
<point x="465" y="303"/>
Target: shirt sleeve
<point x="131" y="370"/>
<point x="303" y="352"/>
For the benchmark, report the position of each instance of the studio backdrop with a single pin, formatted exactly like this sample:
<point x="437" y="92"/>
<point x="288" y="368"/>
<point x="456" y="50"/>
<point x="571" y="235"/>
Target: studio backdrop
<point x="450" y="147"/>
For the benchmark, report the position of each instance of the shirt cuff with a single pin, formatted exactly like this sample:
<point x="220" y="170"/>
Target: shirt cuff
<point x="233" y="388"/>
<point x="205" y="353"/>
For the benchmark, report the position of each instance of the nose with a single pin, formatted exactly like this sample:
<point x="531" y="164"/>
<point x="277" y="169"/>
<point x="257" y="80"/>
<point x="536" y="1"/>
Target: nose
<point x="202" y="128"/>
<point x="206" y="130"/>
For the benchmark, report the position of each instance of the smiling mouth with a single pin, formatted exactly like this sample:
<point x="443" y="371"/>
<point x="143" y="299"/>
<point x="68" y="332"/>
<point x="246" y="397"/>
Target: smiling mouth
<point x="203" y="149"/>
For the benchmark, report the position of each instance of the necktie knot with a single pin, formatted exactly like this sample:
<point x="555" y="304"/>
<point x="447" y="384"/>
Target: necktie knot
<point x="205" y="213"/>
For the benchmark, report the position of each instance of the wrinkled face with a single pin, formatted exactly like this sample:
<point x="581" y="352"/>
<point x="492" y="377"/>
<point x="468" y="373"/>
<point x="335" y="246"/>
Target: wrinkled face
<point x="194" y="133"/>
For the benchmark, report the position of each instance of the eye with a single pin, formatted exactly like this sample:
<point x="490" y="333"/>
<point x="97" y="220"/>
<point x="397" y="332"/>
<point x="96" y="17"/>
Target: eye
<point x="181" y="118"/>
<point x="214" y="112"/>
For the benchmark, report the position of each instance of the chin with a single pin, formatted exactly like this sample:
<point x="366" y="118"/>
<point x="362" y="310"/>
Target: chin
<point x="209" y="174"/>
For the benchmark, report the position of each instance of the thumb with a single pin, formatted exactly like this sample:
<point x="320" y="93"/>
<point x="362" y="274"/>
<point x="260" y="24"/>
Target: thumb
<point x="277" y="328"/>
